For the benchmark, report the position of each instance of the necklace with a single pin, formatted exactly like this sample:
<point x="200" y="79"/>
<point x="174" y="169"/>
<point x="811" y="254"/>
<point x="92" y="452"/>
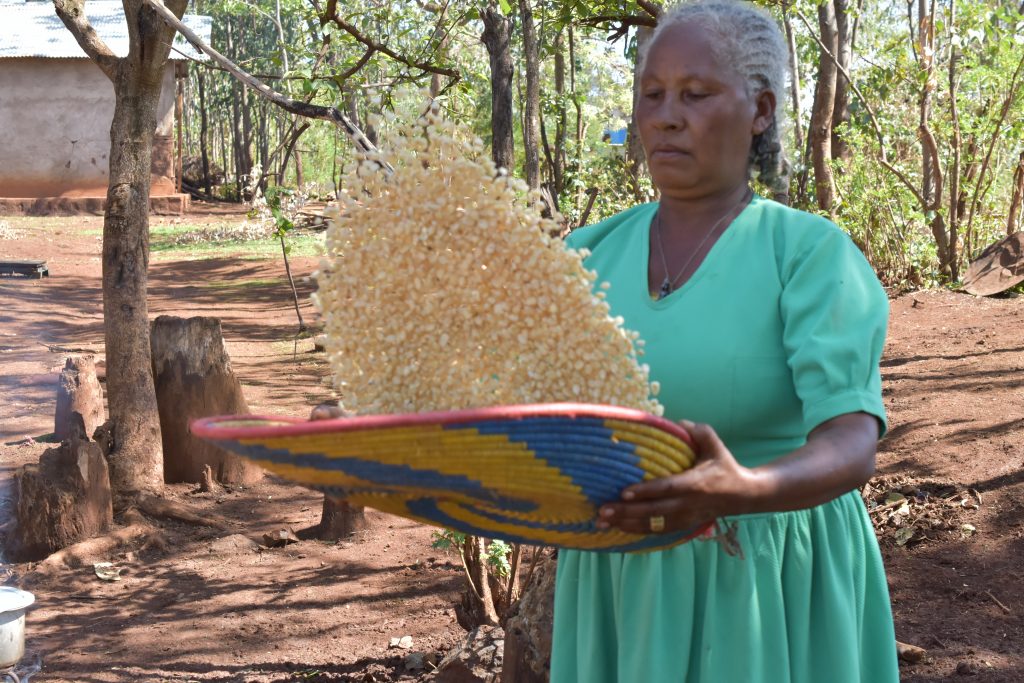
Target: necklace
<point x="668" y="285"/>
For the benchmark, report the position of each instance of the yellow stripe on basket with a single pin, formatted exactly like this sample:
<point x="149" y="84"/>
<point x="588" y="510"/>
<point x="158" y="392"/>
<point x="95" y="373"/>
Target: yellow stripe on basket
<point x="311" y="476"/>
<point x="487" y="458"/>
<point x="547" y="536"/>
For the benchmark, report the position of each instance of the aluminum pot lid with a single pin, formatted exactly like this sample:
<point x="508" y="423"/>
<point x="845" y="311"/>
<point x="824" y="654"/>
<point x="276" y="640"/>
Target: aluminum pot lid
<point x="12" y="599"/>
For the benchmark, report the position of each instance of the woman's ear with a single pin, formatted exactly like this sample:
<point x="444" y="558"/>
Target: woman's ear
<point x="764" y="112"/>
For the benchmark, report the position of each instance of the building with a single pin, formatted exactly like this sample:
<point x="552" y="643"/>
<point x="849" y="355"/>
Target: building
<point x="56" y="107"/>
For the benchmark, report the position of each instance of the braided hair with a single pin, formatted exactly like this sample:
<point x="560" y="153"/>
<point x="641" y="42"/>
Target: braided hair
<point x="749" y="39"/>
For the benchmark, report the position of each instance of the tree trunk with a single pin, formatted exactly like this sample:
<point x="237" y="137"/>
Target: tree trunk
<point x="843" y="53"/>
<point x="300" y="179"/>
<point x="246" y="139"/>
<point x="203" y="132"/>
<point x="496" y="37"/>
<point x="957" y="145"/>
<point x="439" y="38"/>
<point x="578" y="161"/>
<point x="558" y="169"/>
<point x="794" y="91"/>
<point x="339" y="519"/>
<point x="531" y="129"/>
<point x="821" y="116"/>
<point x="136" y="462"/>
<point x="1017" y="198"/>
<point x="477" y="607"/>
<point x="926" y="61"/>
<point x="194" y="379"/>
<point x="636" y="158"/>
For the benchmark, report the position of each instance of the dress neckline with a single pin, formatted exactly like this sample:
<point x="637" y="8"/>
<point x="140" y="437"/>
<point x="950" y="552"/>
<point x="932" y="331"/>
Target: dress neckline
<point x="701" y="269"/>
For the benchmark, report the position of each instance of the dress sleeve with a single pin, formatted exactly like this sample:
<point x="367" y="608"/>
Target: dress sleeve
<point x="834" y="313"/>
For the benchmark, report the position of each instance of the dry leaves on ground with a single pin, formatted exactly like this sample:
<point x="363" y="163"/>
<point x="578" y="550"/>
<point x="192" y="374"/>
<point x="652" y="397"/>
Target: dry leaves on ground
<point x="906" y="512"/>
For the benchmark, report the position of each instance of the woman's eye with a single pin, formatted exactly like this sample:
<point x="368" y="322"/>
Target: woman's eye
<point x="652" y="94"/>
<point x="694" y="95"/>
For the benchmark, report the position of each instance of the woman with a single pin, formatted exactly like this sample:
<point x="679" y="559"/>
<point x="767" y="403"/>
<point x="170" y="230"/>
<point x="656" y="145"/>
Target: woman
<point x="764" y="325"/>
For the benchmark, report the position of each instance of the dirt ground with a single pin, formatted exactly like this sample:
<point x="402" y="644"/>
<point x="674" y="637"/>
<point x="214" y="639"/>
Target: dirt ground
<point x="205" y="609"/>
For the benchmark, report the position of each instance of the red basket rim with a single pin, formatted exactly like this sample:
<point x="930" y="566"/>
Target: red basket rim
<point x="211" y="427"/>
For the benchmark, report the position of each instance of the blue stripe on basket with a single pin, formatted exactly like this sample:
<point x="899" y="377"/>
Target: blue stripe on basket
<point x="380" y="473"/>
<point x="427" y="508"/>
<point x="600" y="475"/>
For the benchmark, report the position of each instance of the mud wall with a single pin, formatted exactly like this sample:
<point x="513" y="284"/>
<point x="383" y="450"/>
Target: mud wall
<point x="55" y="119"/>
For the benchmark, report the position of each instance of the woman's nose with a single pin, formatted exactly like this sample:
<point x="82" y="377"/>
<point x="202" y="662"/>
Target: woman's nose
<point x="668" y="114"/>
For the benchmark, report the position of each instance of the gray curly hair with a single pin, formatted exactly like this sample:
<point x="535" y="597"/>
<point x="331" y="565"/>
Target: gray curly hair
<point x="749" y="39"/>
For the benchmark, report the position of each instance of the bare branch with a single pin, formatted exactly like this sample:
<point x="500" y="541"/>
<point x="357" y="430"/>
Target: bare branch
<point x="72" y="13"/>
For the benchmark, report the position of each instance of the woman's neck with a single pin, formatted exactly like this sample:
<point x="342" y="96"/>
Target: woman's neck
<point x="686" y="215"/>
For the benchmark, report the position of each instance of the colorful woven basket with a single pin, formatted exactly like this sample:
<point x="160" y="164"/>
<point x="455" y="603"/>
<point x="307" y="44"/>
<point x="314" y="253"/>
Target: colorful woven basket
<point x="533" y="474"/>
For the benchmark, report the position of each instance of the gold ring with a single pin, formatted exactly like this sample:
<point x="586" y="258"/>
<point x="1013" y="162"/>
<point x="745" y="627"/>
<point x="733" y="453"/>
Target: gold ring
<point x="657" y="523"/>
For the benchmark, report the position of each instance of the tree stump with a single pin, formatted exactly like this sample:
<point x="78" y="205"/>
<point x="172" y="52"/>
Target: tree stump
<point x="478" y="659"/>
<point x="340" y="519"/>
<point x="193" y="378"/>
<point x="64" y="499"/>
<point x="528" y="631"/>
<point x="79" y="392"/>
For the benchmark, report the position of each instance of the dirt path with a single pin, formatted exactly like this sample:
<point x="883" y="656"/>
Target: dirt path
<point x="954" y="384"/>
<point x="203" y="610"/>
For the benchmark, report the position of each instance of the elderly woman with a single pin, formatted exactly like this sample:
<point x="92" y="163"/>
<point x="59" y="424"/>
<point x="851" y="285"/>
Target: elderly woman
<point x="765" y="325"/>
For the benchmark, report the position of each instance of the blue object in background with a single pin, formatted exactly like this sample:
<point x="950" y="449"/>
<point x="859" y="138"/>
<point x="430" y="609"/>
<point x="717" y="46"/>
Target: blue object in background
<point x="614" y="137"/>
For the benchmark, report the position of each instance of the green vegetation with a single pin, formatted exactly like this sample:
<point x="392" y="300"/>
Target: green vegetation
<point x="164" y="245"/>
<point x="927" y="142"/>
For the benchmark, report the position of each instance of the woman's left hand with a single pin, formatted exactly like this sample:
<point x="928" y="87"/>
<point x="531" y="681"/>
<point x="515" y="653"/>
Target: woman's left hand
<point x="717" y="485"/>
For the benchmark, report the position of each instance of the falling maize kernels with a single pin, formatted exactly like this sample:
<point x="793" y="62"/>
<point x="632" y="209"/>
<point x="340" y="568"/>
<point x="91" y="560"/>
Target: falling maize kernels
<point x="442" y="290"/>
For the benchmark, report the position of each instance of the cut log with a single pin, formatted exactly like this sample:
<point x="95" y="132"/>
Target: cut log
<point x="340" y="519"/>
<point x="64" y="499"/>
<point x="528" y="630"/>
<point x="193" y="378"/>
<point x="79" y="392"/>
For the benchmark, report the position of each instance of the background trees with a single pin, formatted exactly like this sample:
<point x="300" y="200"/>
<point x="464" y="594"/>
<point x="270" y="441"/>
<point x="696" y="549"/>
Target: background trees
<point x="907" y="127"/>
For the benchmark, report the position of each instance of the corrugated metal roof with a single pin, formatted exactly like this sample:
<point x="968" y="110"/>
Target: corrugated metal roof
<point x="31" y="28"/>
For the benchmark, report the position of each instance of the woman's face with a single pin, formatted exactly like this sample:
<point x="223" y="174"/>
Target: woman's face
<point x="695" y="118"/>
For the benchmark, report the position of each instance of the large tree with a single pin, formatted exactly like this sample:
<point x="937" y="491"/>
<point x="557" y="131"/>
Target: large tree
<point x="136" y="457"/>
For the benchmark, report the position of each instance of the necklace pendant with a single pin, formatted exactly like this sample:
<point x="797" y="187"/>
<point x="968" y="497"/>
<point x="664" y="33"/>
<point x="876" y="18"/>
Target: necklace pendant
<point x="665" y="289"/>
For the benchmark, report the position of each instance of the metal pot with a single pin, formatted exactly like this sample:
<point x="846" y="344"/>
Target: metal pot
<point x="13" y="603"/>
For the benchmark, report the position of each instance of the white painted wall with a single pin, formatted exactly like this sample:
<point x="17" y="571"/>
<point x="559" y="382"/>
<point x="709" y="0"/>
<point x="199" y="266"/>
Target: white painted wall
<point x="55" y="119"/>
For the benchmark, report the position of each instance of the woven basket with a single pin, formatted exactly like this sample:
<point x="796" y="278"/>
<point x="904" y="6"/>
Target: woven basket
<point x="533" y="474"/>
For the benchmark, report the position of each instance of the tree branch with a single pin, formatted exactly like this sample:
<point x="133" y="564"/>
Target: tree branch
<point x="625" y="20"/>
<point x="653" y="8"/>
<point x="304" y="109"/>
<point x="384" y="49"/>
<point x="72" y="13"/>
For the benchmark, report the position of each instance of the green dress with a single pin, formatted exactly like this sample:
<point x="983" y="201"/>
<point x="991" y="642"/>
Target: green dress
<point x="780" y="329"/>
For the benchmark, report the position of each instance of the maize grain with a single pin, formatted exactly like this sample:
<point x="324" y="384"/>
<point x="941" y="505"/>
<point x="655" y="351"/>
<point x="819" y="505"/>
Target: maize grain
<point x="441" y="289"/>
